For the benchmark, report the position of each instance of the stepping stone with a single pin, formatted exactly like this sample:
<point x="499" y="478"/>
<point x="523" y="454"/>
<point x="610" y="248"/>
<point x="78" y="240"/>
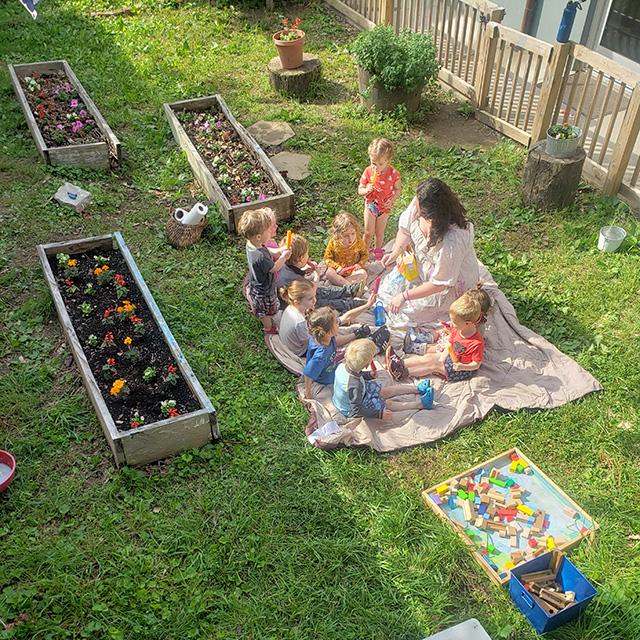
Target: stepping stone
<point x="271" y="134"/>
<point x="295" y="164"/>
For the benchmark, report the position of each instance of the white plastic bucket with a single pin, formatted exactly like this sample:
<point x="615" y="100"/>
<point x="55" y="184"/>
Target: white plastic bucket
<point x="611" y="238"/>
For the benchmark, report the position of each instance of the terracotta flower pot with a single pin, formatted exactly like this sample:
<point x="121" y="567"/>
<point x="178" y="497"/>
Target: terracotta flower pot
<point x="290" y="51"/>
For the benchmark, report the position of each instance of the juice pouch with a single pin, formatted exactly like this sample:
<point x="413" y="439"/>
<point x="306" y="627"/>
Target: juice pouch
<point x="408" y="266"/>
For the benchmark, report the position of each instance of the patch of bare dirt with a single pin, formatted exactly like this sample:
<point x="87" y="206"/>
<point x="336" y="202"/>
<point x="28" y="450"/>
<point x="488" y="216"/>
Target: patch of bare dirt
<point x="446" y="127"/>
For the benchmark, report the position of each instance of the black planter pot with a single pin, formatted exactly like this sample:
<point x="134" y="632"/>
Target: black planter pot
<point x="377" y="96"/>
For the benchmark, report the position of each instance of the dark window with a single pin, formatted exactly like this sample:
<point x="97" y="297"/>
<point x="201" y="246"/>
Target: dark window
<point x="622" y="31"/>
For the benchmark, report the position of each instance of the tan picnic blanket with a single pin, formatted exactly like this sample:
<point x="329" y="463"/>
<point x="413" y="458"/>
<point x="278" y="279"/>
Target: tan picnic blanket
<point x="520" y="370"/>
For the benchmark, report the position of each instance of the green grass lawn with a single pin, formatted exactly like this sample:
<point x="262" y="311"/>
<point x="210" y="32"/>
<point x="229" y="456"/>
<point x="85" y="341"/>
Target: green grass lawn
<point x="262" y="536"/>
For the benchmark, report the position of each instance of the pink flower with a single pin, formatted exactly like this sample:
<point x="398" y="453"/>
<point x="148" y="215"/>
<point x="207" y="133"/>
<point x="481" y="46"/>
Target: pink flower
<point x="82" y="113"/>
<point x="59" y="126"/>
<point x="76" y="126"/>
<point x="73" y="104"/>
<point x="262" y="197"/>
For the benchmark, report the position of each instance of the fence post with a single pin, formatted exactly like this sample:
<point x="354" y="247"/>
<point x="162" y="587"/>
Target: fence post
<point x="486" y="59"/>
<point x="624" y="146"/>
<point x="550" y="90"/>
<point x="386" y="12"/>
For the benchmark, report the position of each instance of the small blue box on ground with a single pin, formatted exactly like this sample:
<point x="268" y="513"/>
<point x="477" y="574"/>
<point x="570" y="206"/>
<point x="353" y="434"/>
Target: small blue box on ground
<point x="568" y="577"/>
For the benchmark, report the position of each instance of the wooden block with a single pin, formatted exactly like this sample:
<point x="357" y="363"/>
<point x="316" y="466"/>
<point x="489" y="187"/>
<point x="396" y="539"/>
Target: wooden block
<point x="545" y="606"/>
<point x="484" y="499"/>
<point x="511" y="504"/>
<point x="511" y="530"/>
<point x="513" y="541"/>
<point x="525" y="510"/>
<point x="503" y="533"/>
<point x="497" y="496"/>
<point x="463" y="483"/>
<point x="479" y="522"/>
<point x="517" y="557"/>
<point x="572" y="513"/>
<point x="495" y="473"/>
<point x="442" y="489"/>
<point x="538" y="576"/>
<point x="492" y="510"/>
<point x="467" y="512"/>
<point x="526" y="532"/>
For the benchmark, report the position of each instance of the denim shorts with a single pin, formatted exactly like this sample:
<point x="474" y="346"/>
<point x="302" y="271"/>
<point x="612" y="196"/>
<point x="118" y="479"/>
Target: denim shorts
<point x="372" y="399"/>
<point x="453" y="375"/>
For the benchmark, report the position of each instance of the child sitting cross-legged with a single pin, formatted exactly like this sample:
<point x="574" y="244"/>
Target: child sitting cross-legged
<point x="462" y="356"/>
<point x="339" y="298"/>
<point x="356" y="394"/>
<point x="300" y="297"/>
<point x="417" y="341"/>
<point x="346" y="254"/>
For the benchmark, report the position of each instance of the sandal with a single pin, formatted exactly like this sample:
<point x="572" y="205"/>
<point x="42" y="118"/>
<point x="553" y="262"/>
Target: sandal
<point x="427" y="399"/>
<point x="381" y="338"/>
<point x="362" y="331"/>
<point x="423" y="386"/>
<point x="395" y="365"/>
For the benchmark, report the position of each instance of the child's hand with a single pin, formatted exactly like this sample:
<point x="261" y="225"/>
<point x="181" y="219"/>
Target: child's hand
<point x="388" y="259"/>
<point x="387" y="415"/>
<point x="368" y="189"/>
<point x="285" y="254"/>
<point x="371" y="301"/>
<point x="456" y="366"/>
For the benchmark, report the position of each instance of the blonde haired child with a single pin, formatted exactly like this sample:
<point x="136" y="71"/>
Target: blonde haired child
<point x="380" y="185"/>
<point x="418" y="341"/>
<point x="463" y="355"/>
<point x="346" y="254"/>
<point x="256" y="227"/>
<point x="355" y="393"/>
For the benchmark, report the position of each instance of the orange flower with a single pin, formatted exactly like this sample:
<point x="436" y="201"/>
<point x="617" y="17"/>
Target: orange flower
<point x="128" y="340"/>
<point x="117" y="386"/>
<point x="97" y="271"/>
<point x="72" y="263"/>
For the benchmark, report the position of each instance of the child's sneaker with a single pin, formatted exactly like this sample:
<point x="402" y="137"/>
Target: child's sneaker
<point x="395" y="365"/>
<point x="381" y="338"/>
<point x="362" y="331"/>
<point x="427" y="399"/>
<point x="423" y="385"/>
<point x="356" y="290"/>
<point x="415" y="341"/>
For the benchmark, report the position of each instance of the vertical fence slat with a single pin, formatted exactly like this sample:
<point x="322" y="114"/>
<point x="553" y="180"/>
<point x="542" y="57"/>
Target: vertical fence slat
<point x="464" y="50"/>
<point x="514" y="84"/>
<point x="506" y="83"/>
<point x="472" y="51"/>
<point x="431" y="2"/>
<point x="636" y="171"/>
<point x="456" y="40"/>
<point x="614" y="117"/>
<point x="476" y="49"/>
<point x="583" y="96"/>
<point x="502" y="45"/>
<point x="563" y="88"/>
<point x="532" y="94"/>
<point x="603" y="111"/>
<point x="423" y="17"/>
<point x="449" y="31"/>
<point x="592" y="103"/>
<point x="624" y="147"/>
<point x="439" y="11"/>
<point x="486" y="56"/>
<point x="525" y="80"/>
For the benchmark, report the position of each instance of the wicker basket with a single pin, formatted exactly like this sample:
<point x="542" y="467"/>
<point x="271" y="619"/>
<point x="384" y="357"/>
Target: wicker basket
<point x="183" y="235"/>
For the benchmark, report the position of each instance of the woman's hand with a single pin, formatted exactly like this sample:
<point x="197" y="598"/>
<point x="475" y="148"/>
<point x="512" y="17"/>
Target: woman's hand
<point x="396" y="303"/>
<point x="388" y="259"/>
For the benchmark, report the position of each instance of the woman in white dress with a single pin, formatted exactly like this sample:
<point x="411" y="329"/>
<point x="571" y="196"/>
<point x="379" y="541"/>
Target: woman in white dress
<point x="436" y="229"/>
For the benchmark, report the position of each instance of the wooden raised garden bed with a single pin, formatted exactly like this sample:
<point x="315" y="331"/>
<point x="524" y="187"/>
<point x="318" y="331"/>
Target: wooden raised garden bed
<point x="128" y="359"/>
<point x="208" y="133"/>
<point x="102" y="147"/>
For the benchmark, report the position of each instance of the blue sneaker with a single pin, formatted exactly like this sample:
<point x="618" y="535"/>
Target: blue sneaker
<point x="424" y="386"/>
<point x="427" y="399"/>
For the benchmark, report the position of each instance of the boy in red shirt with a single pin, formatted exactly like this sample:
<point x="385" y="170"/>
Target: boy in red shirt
<point x="463" y="355"/>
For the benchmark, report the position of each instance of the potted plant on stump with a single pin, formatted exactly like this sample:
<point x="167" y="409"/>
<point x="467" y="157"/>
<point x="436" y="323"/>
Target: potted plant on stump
<point x="289" y="42"/>
<point x="563" y="140"/>
<point x="393" y="68"/>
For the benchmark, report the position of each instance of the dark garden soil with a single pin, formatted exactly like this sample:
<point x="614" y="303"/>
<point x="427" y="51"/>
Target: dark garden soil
<point x="105" y="327"/>
<point x="235" y="169"/>
<point x="61" y="115"/>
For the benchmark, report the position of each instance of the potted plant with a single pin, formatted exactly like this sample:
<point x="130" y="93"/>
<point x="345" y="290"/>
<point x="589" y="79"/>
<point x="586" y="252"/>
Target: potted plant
<point x="393" y="68"/>
<point x="563" y="140"/>
<point x="289" y="42"/>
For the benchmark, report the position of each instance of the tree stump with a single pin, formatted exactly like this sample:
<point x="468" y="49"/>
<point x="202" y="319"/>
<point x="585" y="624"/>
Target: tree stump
<point x="294" y="82"/>
<point x="548" y="182"/>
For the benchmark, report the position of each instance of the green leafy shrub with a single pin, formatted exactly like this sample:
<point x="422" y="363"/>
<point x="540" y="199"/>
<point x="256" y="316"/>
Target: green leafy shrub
<point x="400" y="61"/>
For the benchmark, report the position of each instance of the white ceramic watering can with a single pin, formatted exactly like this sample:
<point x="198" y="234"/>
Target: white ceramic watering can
<point x="197" y="214"/>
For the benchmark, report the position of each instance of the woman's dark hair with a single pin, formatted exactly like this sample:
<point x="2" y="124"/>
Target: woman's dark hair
<point x="436" y="202"/>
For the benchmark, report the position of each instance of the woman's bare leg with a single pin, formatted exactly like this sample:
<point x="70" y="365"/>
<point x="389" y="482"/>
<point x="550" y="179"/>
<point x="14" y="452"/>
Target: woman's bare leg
<point x="403" y="405"/>
<point x="425" y="365"/>
<point x="397" y="390"/>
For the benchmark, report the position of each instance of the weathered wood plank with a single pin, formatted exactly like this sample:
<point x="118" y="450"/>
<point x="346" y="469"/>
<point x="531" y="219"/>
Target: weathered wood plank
<point x="95" y="154"/>
<point x="156" y="440"/>
<point x="282" y="204"/>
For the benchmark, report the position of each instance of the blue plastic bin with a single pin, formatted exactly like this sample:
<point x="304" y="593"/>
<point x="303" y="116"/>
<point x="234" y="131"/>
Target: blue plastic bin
<point x="569" y="578"/>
